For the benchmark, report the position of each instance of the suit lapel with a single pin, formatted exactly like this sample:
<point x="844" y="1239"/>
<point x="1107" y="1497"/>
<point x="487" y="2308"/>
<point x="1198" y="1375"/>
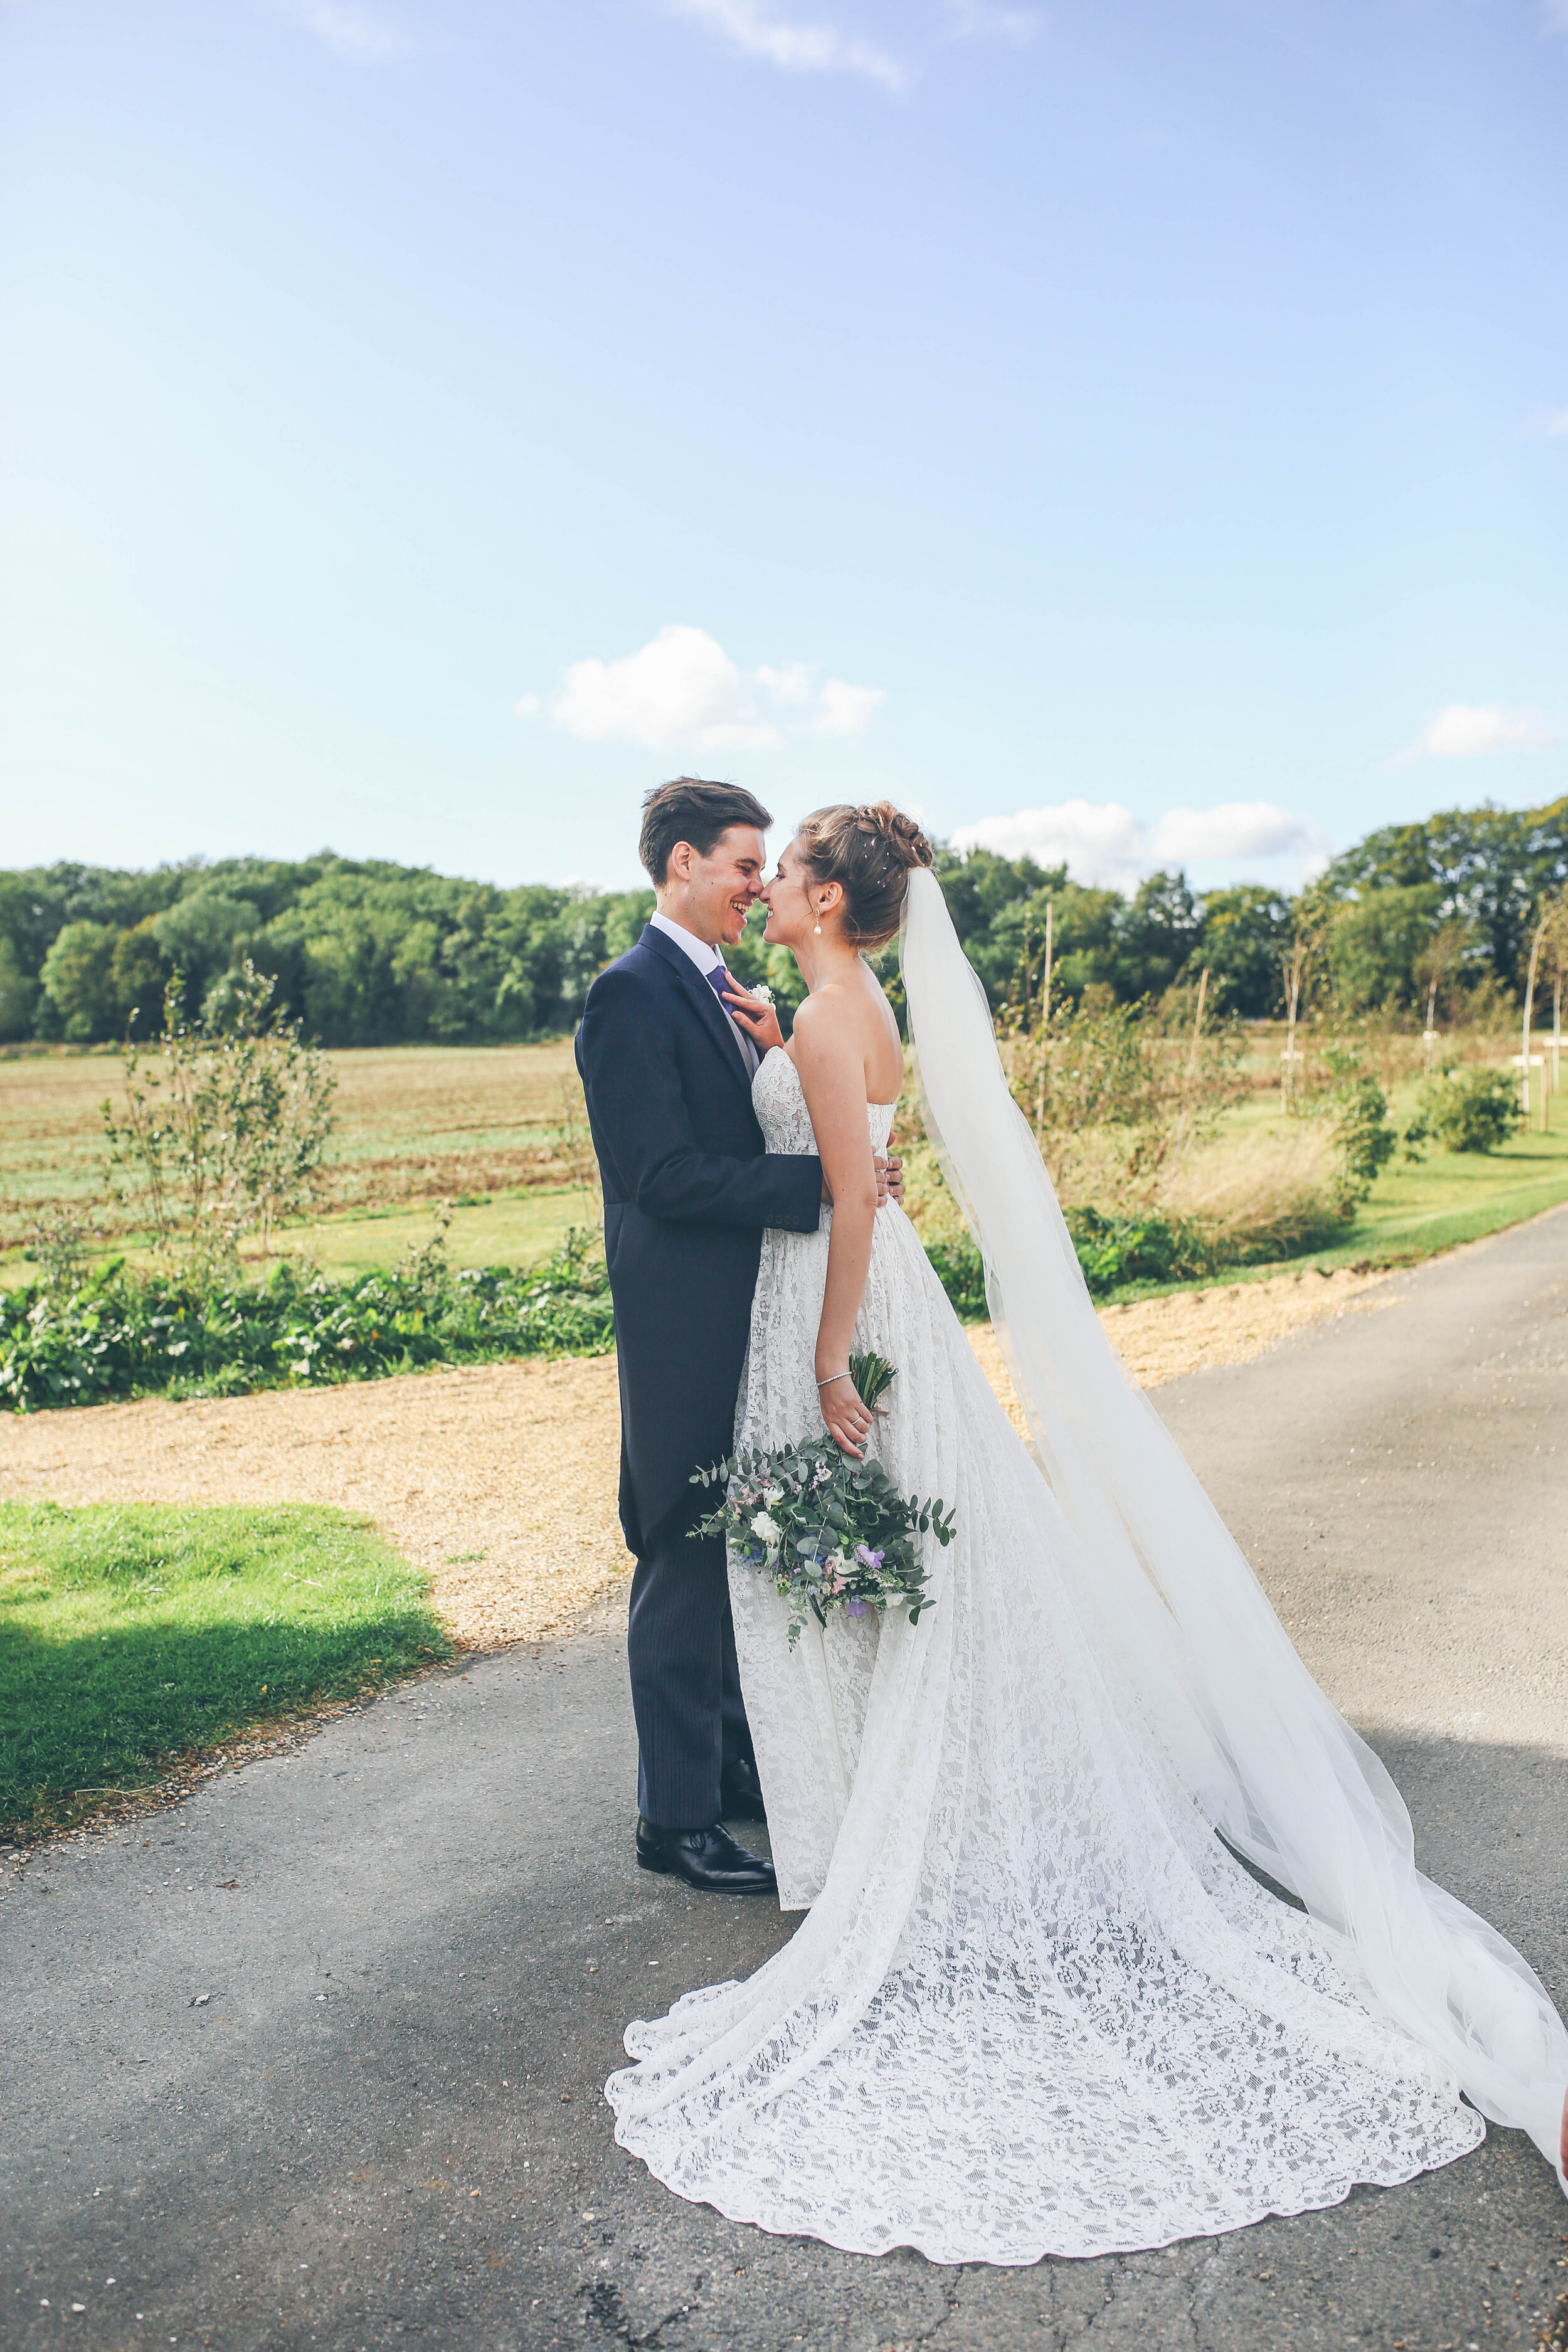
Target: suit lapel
<point x="703" y="995"/>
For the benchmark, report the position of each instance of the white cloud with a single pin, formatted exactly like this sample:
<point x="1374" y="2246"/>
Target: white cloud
<point x="1104" y="844"/>
<point x="682" y="686"/>
<point x="1557" y="426"/>
<point x="844" y="710"/>
<point x="790" y="685"/>
<point x="1233" y="830"/>
<point x="348" y="29"/>
<point x="1554" y="16"/>
<point x="1463" y="730"/>
<point x="984" y="20"/>
<point x="755" y="28"/>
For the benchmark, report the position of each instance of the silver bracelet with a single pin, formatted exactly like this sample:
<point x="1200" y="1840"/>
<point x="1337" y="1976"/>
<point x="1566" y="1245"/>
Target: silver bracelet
<point x="827" y="1383"/>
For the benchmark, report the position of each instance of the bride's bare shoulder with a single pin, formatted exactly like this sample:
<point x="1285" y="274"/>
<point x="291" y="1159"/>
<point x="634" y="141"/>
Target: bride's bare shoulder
<point x="823" y="1023"/>
<point x="849" y="1020"/>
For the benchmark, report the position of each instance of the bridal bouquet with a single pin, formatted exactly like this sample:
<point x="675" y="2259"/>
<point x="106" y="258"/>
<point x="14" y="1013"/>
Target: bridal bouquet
<point x="829" y="1531"/>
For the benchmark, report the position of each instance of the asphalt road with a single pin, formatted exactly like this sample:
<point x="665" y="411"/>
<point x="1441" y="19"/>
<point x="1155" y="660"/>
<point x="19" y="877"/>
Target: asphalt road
<point x="316" y="2059"/>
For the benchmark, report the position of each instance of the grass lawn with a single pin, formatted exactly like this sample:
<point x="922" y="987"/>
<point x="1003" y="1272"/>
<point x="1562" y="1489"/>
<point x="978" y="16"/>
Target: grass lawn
<point x="1447" y="1197"/>
<point x="517" y="1229"/>
<point x="500" y="1229"/>
<point x="132" y="1632"/>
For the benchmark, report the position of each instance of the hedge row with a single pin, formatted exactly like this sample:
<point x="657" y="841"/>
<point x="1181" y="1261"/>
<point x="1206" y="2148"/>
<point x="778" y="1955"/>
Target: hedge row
<point x="125" y="1334"/>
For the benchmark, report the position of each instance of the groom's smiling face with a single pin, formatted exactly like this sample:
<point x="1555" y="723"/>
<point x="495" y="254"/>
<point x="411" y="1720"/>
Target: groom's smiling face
<point x="711" y="894"/>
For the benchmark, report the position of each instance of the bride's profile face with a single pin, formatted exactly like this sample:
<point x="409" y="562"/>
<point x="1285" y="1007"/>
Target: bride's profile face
<point x="790" y="912"/>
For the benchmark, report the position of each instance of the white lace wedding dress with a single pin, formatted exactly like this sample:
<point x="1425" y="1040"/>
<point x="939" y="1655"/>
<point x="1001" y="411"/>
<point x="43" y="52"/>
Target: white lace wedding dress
<point x="1036" y="2006"/>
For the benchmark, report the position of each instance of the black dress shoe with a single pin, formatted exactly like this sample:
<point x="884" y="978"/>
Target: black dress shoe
<point x="707" y="1858"/>
<point x="741" y="1792"/>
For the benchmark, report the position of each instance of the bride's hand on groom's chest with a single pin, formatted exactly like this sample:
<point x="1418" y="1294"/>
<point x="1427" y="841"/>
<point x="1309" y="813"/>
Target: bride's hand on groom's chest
<point x="755" y="1016"/>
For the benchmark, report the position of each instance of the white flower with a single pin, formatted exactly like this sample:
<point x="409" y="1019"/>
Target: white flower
<point x="772" y="1494"/>
<point x="762" y="992"/>
<point x="767" y="1529"/>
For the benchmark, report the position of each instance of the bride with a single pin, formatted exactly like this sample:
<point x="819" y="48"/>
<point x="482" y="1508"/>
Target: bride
<point x="1040" y="2002"/>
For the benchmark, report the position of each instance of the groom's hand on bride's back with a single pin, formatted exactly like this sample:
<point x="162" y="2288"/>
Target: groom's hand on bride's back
<point x="890" y="1180"/>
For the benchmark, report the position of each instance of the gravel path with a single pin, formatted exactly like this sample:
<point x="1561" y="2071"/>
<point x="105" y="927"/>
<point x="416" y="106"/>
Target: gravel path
<point x="315" y="2058"/>
<point x="500" y="1479"/>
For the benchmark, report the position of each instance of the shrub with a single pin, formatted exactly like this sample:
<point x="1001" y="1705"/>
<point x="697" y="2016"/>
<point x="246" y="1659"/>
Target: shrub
<point x="133" y="1335"/>
<point x="1364" y="1137"/>
<point x="1356" y="1110"/>
<point x="1111" y="1250"/>
<point x="1467" y="1110"/>
<point x="1115" y="1250"/>
<point x="963" y="1277"/>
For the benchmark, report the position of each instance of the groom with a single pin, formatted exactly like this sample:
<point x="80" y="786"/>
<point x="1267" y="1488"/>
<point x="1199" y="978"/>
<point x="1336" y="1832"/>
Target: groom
<point x="688" y="1187"/>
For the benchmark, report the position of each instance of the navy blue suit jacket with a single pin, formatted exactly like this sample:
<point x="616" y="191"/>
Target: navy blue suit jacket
<point x="688" y="1188"/>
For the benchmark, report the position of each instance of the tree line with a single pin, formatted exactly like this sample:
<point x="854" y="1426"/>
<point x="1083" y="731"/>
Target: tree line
<point x="365" y="953"/>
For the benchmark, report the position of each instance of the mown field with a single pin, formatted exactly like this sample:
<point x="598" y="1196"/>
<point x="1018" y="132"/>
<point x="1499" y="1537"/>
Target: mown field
<point x="499" y="1133"/>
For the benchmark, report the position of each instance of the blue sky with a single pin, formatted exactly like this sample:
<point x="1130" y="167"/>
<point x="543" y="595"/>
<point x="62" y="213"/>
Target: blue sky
<point x="1133" y="432"/>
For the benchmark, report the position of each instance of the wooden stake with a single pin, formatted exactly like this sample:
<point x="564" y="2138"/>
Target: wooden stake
<point x="1045" y="1026"/>
<point x="1198" y="1020"/>
<point x="1528" y="1000"/>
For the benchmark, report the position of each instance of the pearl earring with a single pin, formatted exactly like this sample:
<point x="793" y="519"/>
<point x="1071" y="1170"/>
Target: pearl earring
<point x="816" y="934"/>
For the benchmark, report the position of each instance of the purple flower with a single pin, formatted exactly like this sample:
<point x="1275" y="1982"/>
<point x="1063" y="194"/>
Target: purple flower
<point x="857" y="1609"/>
<point x="867" y="1559"/>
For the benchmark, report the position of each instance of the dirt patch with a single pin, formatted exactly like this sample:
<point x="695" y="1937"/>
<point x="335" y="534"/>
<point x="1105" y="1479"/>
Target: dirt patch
<point x="1160" y="1339"/>
<point x="1190" y="1330"/>
<point x="500" y="1479"/>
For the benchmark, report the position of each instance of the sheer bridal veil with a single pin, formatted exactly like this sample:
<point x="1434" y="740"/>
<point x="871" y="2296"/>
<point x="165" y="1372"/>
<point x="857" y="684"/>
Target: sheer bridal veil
<point x="1264" y="1755"/>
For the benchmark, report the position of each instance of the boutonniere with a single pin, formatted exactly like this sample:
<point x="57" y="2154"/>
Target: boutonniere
<point x="762" y="992"/>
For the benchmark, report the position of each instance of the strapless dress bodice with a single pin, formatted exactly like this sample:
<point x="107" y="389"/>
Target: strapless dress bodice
<point x="782" y="1114"/>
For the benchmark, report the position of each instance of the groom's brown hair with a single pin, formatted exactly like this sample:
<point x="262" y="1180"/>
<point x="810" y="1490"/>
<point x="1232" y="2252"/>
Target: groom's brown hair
<point x="690" y="809"/>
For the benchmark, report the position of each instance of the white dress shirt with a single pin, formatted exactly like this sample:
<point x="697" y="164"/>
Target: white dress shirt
<point x="707" y="959"/>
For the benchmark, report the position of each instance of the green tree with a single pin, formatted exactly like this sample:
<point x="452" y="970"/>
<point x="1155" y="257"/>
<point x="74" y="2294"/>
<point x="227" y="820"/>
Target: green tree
<point x="1157" y="932"/>
<point x="1376" y="943"/>
<point x="18" y="993"/>
<point x="137" y="974"/>
<point x="207" y="933"/>
<point x="1246" y="937"/>
<point x="1490" y="866"/>
<point x="76" y="978"/>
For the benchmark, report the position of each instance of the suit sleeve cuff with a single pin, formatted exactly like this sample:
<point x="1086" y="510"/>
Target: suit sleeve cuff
<point x="800" y="1192"/>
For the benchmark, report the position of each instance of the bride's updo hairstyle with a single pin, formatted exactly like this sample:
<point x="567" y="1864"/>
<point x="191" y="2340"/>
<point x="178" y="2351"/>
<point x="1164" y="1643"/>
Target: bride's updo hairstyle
<point x="869" y="853"/>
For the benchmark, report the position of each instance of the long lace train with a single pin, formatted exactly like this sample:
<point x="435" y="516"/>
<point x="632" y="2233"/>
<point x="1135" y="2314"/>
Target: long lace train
<point x="1036" y="2006"/>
